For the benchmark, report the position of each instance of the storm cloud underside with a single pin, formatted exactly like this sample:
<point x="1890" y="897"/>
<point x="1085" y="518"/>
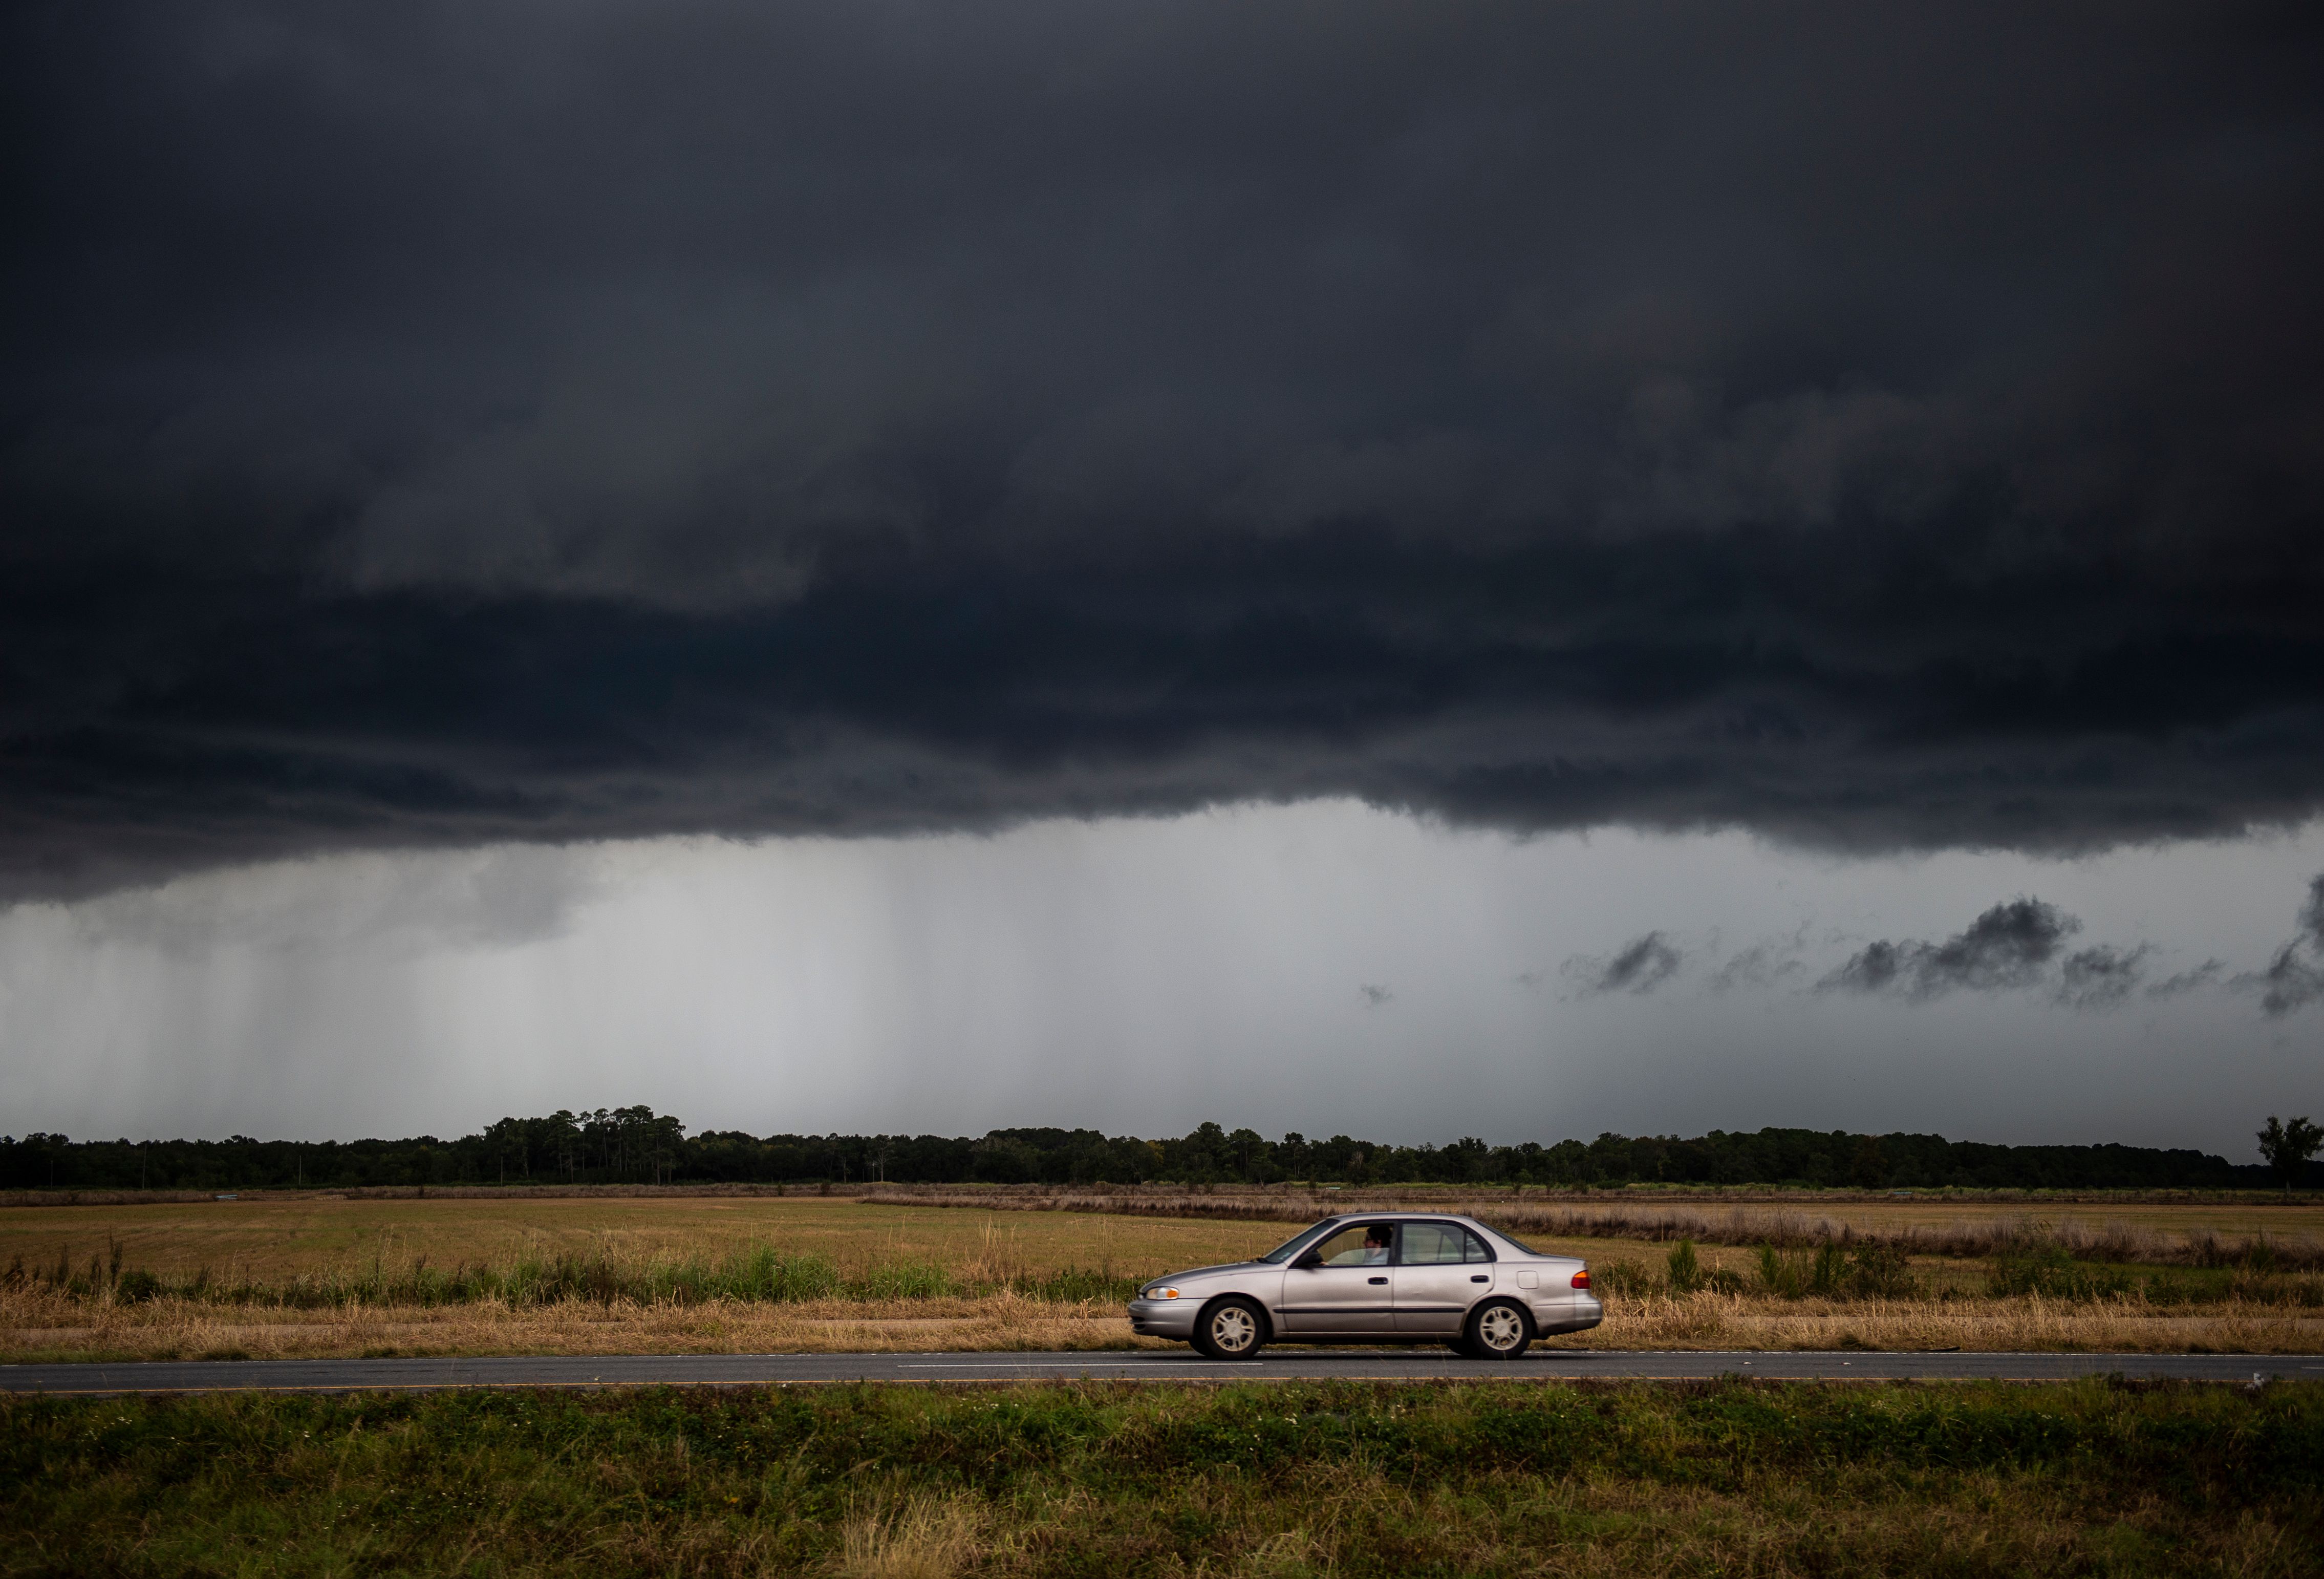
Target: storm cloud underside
<point x="448" y="424"/>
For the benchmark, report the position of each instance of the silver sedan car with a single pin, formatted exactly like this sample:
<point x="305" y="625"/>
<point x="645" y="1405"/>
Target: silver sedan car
<point x="1386" y="1278"/>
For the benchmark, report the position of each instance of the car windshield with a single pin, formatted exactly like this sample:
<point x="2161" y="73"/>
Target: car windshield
<point x="1296" y="1242"/>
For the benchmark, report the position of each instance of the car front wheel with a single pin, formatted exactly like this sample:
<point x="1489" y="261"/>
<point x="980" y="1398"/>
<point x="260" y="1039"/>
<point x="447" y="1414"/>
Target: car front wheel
<point x="1499" y="1330"/>
<point x="1233" y="1329"/>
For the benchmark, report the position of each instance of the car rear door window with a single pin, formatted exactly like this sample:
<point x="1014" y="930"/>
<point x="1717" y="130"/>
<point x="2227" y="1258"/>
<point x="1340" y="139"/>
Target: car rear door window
<point x="1434" y="1244"/>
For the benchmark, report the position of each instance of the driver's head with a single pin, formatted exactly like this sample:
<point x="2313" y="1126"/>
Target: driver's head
<point x="1377" y="1236"/>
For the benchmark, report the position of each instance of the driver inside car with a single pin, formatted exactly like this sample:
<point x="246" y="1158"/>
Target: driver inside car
<point x="1372" y="1252"/>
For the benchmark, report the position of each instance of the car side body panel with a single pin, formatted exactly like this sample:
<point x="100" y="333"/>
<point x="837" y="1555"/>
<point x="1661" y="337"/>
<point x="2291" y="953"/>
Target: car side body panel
<point x="1335" y="1302"/>
<point x="1435" y="1300"/>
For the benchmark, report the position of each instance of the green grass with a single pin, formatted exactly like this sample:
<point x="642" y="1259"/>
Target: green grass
<point x="1098" y="1479"/>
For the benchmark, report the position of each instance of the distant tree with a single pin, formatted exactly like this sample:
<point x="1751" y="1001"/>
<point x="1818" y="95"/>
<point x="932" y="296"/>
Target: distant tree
<point x="1249" y="1151"/>
<point x="1568" y="1163"/>
<point x="1467" y="1161"/>
<point x="2288" y="1147"/>
<point x="1869" y="1171"/>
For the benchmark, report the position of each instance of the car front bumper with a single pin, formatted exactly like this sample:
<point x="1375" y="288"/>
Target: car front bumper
<point x="1164" y="1318"/>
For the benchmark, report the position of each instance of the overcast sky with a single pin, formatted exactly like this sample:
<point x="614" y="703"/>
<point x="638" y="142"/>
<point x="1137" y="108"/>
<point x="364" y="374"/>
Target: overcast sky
<point x="1477" y="567"/>
<point x="1326" y="969"/>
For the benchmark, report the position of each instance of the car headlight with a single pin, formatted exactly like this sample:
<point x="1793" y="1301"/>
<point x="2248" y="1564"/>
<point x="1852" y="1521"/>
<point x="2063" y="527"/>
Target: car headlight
<point x="1159" y="1293"/>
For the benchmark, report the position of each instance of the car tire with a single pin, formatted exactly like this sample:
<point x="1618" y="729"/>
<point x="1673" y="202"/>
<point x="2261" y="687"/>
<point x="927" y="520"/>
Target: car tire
<point x="1231" y="1329"/>
<point x="1499" y="1329"/>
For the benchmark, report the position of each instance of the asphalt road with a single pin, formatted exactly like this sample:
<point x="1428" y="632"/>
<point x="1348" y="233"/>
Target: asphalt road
<point x="1280" y="1366"/>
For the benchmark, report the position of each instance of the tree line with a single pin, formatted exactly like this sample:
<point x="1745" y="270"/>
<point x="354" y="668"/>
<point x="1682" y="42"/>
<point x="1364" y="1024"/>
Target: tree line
<point x="636" y="1145"/>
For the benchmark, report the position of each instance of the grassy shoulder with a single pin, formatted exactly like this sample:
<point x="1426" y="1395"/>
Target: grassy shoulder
<point x="1350" y="1479"/>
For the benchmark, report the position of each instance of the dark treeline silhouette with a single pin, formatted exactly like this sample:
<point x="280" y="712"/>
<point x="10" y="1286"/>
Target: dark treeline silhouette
<point x="636" y="1145"/>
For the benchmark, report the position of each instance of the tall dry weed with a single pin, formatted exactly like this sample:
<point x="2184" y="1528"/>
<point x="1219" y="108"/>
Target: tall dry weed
<point x="927" y="1538"/>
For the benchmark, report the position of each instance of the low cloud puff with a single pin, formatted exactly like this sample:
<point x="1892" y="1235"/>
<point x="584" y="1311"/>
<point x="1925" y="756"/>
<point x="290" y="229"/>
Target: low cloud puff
<point x="2205" y="974"/>
<point x="2100" y="977"/>
<point x="1763" y="965"/>
<point x="2294" y="978"/>
<point x="2008" y="946"/>
<point x="1638" y="967"/>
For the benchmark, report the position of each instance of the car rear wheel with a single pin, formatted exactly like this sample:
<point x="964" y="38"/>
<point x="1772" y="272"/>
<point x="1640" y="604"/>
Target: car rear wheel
<point x="1233" y="1329"/>
<point x="1499" y="1329"/>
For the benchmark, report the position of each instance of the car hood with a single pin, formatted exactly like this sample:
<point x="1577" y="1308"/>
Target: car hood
<point x="1200" y="1272"/>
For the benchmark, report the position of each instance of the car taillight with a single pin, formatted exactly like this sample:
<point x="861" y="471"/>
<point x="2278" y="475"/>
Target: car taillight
<point x="1581" y="1279"/>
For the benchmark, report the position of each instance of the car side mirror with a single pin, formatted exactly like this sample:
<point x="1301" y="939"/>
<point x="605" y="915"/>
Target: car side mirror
<point x="1308" y="1258"/>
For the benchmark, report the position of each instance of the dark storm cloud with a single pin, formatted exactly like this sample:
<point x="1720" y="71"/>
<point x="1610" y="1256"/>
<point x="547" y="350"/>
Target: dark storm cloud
<point x="2009" y="946"/>
<point x="1638" y="967"/>
<point x="443" y="423"/>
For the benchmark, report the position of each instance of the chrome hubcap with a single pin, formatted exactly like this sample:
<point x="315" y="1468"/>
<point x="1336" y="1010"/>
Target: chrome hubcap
<point x="1233" y="1329"/>
<point x="1500" y="1329"/>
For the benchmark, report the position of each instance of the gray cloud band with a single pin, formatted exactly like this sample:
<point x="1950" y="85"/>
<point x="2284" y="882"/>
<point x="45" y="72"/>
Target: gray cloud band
<point x="2014" y="945"/>
<point x="486" y="423"/>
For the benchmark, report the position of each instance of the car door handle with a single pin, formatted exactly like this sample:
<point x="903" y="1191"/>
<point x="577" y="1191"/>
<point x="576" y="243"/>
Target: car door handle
<point x="1481" y="1278"/>
<point x="1376" y="1279"/>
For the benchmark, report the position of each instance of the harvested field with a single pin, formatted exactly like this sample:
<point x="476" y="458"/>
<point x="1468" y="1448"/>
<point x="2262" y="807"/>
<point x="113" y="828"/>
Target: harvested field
<point x="991" y="1235"/>
<point x="279" y="1238"/>
<point x="2161" y="1232"/>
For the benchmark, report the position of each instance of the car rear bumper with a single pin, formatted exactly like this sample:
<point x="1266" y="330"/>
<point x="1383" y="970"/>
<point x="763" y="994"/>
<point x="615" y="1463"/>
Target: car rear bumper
<point x="1164" y="1318"/>
<point x="1578" y="1315"/>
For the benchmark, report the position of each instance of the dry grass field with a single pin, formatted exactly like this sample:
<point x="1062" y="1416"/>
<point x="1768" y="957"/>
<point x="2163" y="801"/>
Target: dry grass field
<point x="1136" y="1234"/>
<point x="981" y="1274"/>
<point x="277" y="1237"/>
<point x="1935" y="1224"/>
